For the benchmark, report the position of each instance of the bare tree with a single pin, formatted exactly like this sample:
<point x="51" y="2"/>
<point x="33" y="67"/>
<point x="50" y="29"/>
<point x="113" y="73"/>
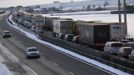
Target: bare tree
<point x="106" y="4"/>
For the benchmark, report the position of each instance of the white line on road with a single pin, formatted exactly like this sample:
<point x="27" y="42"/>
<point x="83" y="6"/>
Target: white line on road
<point x="71" y="73"/>
<point x="29" y="69"/>
<point x="55" y="64"/>
<point x="2" y="59"/>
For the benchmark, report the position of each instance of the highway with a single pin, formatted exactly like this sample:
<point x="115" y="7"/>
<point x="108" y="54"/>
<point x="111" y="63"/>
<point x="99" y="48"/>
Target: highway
<point x="51" y="61"/>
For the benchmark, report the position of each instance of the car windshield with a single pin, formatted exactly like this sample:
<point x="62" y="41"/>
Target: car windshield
<point x="7" y="32"/>
<point x="116" y="45"/>
<point x="33" y="49"/>
<point x="128" y="50"/>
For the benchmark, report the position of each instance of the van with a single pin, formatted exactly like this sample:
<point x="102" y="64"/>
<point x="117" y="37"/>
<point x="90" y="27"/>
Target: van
<point x="112" y="47"/>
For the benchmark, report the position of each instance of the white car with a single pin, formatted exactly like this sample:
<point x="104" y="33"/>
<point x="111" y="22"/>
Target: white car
<point x="125" y="51"/>
<point x="131" y="56"/>
<point x="112" y="47"/>
<point x="39" y="30"/>
<point x="32" y="52"/>
<point x="130" y="44"/>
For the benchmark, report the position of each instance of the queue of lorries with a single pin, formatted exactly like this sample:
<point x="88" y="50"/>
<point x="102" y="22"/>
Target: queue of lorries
<point x="107" y="36"/>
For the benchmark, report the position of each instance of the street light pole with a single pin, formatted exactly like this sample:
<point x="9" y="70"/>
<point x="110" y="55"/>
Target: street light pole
<point x="125" y="16"/>
<point x="119" y="10"/>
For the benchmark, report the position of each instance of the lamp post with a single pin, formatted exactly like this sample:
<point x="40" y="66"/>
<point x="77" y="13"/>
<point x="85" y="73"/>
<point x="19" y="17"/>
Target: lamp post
<point x="119" y="10"/>
<point x="125" y="16"/>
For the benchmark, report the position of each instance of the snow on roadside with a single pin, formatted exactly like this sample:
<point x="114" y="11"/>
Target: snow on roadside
<point x="3" y="68"/>
<point x="69" y="53"/>
<point x="2" y="59"/>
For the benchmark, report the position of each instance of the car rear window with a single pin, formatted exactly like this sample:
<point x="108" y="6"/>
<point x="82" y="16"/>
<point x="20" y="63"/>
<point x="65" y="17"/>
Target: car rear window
<point x="116" y="45"/>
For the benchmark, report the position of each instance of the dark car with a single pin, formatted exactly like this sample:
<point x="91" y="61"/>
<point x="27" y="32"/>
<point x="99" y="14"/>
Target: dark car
<point x="6" y="34"/>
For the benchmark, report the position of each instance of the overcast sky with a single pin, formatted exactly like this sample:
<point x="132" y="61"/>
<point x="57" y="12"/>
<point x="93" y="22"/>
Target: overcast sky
<point x="7" y="3"/>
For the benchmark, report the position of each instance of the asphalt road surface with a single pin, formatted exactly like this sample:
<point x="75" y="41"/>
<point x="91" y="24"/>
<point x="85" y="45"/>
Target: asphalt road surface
<point x="51" y="61"/>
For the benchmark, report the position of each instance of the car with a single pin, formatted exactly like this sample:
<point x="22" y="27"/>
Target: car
<point x="6" y="34"/>
<point x="125" y="51"/>
<point x="27" y="24"/>
<point x="130" y="44"/>
<point x="39" y="30"/>
<point x="131" y="56"/>
<point x="33" y="28"/>
<point x="32" y="52"/>
<point x="112" y="47"/>
<point x="129" y="38"/>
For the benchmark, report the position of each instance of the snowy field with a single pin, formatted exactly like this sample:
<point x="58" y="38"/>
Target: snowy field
<point x="104" y="16"/>
<point x="69" y="53"/>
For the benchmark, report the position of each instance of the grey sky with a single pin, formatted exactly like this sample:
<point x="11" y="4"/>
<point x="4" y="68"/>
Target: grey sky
<point x="7" y="3"/>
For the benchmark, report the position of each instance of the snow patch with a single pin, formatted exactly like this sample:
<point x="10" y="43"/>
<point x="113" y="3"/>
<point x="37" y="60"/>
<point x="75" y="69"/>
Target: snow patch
<point x="2" y="59"/>
<point x="4" y="70"/>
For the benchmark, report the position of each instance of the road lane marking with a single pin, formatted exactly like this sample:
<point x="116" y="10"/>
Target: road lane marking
<point x="71" y="73"/>
<point x="2" y="59"/>
<point x="29" y="69"/>
<point x="55" y="64"/>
